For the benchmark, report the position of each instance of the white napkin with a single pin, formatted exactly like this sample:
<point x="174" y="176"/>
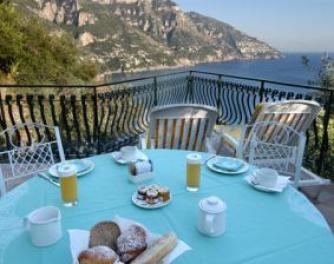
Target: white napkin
<point x="79" y="240"/>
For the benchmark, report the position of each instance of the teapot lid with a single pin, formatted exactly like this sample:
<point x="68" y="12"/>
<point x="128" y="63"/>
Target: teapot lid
<point x="212" y="204"/>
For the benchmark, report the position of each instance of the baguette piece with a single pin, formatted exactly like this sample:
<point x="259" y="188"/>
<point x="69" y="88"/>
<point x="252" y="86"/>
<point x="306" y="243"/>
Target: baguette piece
<point x="155" y="253"/>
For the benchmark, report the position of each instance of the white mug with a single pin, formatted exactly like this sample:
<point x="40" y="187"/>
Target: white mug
<point x="212" y="216"/>
<point x="44" y="226"/>
<point x="129" y="153"/>
<point x="266" y="177"/>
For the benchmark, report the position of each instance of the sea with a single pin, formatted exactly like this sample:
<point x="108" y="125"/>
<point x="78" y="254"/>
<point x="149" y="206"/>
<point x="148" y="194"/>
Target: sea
<point x="288" y="69"/>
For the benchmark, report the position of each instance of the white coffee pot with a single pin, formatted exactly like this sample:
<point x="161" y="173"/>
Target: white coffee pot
<point x="44" y="226"/>
<point x="212" y="216"/>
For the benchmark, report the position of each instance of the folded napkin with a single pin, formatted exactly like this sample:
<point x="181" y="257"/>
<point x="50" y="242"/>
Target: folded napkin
<point x="80" y="165"/>
<point x="228" y="164"/>
<point x="79" y="240"/>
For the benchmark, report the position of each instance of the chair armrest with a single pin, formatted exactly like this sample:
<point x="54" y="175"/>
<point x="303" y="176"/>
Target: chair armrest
<point x="142" y="141"/>
<point x="209" y="146"/>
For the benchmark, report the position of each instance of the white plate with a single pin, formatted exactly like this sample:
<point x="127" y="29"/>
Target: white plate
<point x="145" y="205"/>
<point x="90" y="164"/>
<point x="243" y="169"/>
<point x="282" y="182"/>
<point x="117" y="157"/>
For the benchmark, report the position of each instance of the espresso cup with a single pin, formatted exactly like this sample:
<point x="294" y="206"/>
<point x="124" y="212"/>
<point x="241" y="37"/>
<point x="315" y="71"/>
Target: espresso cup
<point x="44" y="226"/>
<point x="129" y="153"/>
<point x="266" y="177"/>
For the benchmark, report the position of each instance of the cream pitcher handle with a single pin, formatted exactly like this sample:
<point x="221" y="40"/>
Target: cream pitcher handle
<point x="208" y="224"/>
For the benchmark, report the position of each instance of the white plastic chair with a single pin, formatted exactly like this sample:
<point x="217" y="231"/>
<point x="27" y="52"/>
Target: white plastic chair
<point x="179" y="126"/>
<point x="277" y="146"/>
<point x="295" y="114"/>
<point x="30" y="150"/>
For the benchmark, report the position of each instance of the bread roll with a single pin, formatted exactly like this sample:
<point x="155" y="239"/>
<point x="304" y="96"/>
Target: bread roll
<point x="104" y="234"/>
<point x="158" y="251"/>
<point x="98" y="255"/>
<point x="131" y="243"/>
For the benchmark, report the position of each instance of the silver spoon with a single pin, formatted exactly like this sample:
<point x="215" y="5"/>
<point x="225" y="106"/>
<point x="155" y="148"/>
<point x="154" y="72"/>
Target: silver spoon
<point x="47" y="178"/>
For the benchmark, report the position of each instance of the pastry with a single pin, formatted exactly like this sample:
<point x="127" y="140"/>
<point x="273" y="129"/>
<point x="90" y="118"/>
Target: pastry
<point x="164" y="194"/>
<point x="152" y="197"/>
<point x="141" y="192"/>
<point x="131" y="243"/>
<point x="104" y="233"/>
<point x="154" y="187"/>
<point x="158" y="250"/>
<point x="98" y="255"/>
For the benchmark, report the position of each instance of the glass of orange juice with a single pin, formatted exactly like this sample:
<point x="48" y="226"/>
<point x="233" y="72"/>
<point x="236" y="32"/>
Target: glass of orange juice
<point x="68" y="184"/>
<point x="194" y="161"/>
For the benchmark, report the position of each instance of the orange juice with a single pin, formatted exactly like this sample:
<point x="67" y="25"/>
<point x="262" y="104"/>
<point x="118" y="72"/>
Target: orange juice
<point x="68" y="184"/>
<point x="69" y="190"/>
<point x="193" y="172"/>
<point x="193" y="175"/>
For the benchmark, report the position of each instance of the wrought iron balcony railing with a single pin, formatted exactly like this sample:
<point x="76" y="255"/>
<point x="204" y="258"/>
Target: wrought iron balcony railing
<point x="101" y="118"/>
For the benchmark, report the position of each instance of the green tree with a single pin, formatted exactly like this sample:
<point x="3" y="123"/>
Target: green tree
<point x="325" y="72"/>
<point x="30" y="54"/>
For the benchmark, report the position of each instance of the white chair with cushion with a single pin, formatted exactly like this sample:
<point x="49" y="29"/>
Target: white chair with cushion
<point x="297" y="115"/>
<point x="30" y="149"/>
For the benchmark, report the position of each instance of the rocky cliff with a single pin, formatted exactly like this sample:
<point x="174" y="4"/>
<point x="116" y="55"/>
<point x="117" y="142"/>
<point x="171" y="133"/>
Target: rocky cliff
<point x="130" y="34"/>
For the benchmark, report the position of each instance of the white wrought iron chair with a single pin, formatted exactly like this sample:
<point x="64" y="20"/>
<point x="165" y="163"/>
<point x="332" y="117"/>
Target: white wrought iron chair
<point x="180" y="126"/>
<point x="295" y="114"/>
<point x="30" y="149"/>
<point x="276" y="146"/>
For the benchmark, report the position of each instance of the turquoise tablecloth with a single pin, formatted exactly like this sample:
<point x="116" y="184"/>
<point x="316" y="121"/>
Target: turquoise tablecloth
<point x="261" y="227"/>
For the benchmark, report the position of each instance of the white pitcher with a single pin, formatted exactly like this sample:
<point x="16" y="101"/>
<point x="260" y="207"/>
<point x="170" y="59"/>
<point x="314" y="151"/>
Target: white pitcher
<point x="212" y="216"/>
<point x="44" y="226"/>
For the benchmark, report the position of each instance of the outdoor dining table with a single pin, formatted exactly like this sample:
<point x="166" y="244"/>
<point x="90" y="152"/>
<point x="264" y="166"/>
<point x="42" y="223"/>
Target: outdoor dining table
<point x="261" y="227"/>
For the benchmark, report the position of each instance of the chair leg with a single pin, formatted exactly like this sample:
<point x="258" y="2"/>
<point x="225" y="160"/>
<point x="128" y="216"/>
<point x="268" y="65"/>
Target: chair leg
<point x="2" y="184"/>
<point x="299" y="160"/>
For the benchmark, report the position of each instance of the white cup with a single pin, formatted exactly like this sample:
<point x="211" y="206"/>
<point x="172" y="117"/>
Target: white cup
<point x="44" y="226"/>
<point x="266" y="177"/>
<point x="129" y="153"/>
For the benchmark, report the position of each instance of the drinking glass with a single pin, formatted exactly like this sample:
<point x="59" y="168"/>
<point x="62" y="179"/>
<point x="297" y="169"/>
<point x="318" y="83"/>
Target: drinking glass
<point x="68" y="184"/>
<point x="193" y="172"/>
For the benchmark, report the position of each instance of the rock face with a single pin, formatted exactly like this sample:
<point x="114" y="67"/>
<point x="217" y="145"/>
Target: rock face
<point x="130" y="34"/>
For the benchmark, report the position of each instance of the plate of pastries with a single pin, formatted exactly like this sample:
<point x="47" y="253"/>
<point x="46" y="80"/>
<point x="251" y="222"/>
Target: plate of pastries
<point x="110" y="243"/>
<point x="151" y="196"/>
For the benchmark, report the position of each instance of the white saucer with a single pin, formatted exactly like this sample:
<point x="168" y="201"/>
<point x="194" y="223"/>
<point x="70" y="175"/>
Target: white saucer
<point x="211" y="166"/>
<point x="281" y="184"/>
<point x="145" y="205"/>
<point x="90" y="164"/>
<point x="118" y="158"/>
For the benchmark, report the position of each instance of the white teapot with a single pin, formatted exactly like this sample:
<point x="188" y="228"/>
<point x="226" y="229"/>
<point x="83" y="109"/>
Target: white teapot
<point x="212" y="216"/>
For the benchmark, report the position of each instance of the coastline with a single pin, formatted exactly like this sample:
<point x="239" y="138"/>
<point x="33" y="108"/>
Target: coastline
<point x="159" y="68"/>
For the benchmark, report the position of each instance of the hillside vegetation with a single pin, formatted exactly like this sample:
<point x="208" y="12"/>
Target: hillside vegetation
<point x="30" y="55"/>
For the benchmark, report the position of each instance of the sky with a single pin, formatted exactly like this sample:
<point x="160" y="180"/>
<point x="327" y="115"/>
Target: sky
<point x="288" y="25"/>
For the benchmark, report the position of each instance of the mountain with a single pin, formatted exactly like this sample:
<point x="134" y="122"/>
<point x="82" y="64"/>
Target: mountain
<point x="134" y="34"/>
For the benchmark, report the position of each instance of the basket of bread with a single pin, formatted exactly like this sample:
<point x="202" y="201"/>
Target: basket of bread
<point x="124" y="241"/>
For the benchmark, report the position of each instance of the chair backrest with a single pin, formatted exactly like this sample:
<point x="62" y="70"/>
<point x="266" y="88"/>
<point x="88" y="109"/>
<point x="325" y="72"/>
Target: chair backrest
<point x="30" y="149"/>
<point x="181" y="126"/>
<point x="296" y="114"/>
<point x="278" y="152"/>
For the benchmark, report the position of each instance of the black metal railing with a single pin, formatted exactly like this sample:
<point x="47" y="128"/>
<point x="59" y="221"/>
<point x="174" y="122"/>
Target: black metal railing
<point x="101" y="118"/>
